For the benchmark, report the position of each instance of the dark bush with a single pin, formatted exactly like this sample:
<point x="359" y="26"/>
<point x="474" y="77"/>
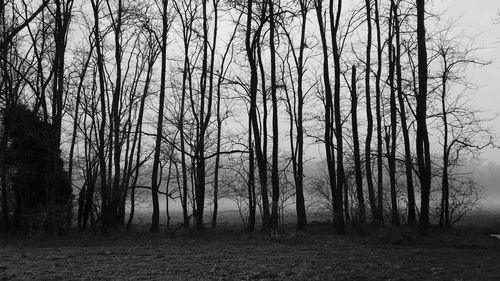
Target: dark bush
<point x="42" y="193"/>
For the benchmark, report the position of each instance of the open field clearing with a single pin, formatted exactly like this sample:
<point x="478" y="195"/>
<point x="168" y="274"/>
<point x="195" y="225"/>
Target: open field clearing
<point x="314" y="254"/>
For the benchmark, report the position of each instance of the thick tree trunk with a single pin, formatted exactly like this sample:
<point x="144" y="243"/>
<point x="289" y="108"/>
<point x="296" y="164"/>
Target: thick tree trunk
<point x="62" y="17"/>
<point x="204" y="119"/>
<point x="423" y="149"/>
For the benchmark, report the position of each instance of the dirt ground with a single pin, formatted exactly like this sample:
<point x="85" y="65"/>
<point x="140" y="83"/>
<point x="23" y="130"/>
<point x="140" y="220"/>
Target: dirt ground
<point x="314" y="254"/>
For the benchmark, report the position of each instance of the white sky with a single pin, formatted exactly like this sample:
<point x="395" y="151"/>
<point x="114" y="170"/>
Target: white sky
<point x="478" y="17"/>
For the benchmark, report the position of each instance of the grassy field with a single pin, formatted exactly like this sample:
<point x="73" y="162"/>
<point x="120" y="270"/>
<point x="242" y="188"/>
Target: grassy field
<point x="465" y="253"/>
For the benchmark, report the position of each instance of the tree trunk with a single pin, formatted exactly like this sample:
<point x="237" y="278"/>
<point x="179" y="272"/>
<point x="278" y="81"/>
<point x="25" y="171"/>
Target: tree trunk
<point x="444" y="219"/>
<point x="62" y="17"/>
<point x="102" y="141"/>
<point x="369" y="115"/>
<point x="334" y="25"/>
<point x="185" y="72"/>
<point x="391" y="149"/>
<point x="357" y="158"/>
<point x="219" y="120"/>
<point x="380" y="177"/>
<point x="423" y="149"/>
<point x="4" y="220"/>
<point x="76" y="117"/>
<point x="155" y="220"/>
<point x="204" y="119"/>
<point x="404" y="126"/>
<point x="299" y="177"/>
<point x="251" y="181"/>
<point x="115" y="115"/>
<point x="275" y="167"/>
<point x="261" y="161"/>
<point x="329" y="149"/>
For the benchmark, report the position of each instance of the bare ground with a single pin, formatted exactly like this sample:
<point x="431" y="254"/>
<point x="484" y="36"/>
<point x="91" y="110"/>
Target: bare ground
<point x="314" y="254"/>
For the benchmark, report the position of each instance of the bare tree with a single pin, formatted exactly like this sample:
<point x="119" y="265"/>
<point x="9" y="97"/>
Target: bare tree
<point x="423" y="146"/>
<point x="369" y="114"/>
<point x="296" y="111"/>
<point x="96" y="4"/>
<point x="159" y="127"/>
<point x="378" y="106"/>
<point x="357" y="158"/>
<point x="328" y="137"/>
<point x="250" y="46"/>
<point x="275" y="168"/>
<point x="462" y="127"/>
<point x="402" y="113"/>
<point x="334" y="27"/>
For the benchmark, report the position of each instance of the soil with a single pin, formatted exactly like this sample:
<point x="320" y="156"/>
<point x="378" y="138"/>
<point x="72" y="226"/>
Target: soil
<point x="316" y="253"/>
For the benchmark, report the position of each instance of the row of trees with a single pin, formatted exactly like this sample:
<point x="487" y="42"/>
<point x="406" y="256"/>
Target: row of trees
<point x="177" y="96"/>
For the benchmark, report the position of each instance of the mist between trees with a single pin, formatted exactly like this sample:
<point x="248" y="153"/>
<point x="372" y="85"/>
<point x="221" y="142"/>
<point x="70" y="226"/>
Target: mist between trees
<point x="359" y="111"/>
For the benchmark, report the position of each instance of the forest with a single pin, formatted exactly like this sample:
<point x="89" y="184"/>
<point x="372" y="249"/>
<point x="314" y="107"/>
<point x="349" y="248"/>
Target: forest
<point x="360" y="111"/>
<point x="242" y="140"/>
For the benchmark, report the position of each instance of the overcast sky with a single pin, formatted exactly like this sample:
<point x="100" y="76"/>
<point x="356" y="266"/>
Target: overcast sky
<point x="478" y="17"/>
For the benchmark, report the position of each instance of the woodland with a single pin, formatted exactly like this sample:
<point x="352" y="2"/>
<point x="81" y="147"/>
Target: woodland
<point x="129" y="130"/>
<point x="357" y="113"/>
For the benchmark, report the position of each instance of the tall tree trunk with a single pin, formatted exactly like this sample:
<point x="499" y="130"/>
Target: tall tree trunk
<point x="334" y="25"/>
<point x="185" y="72"/>
<point x="423" y="149"/>
<point x="275" y="167"/>
<point x="251" y="180"/>
<point x="155" y="220"/>
<point x="404" y="126"/>
<point x="81" y="197"/>
<point x="391" y="138"/>
<point x="4" y="220"/>
<point x="219" y="120"/>
<point x="329" y="149"/>
<point x="137" y="141"/>
<point x="444" y="219"/>
<point x="62" y="17"/>
<point x="378" y="91"/>
<point x="89" y="176"/>
<point x="115" y="115"/>
<point x="369" y="115"/>
<point x="102" y="141"/>
<point x="299" y="177"/>
<point x="357" y="158"/>
<point x="261" y="161"/>
<point x="204" y="119"/>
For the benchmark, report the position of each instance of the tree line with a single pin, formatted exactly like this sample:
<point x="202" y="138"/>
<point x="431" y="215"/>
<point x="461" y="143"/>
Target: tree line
<point x="197" y="101"/>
